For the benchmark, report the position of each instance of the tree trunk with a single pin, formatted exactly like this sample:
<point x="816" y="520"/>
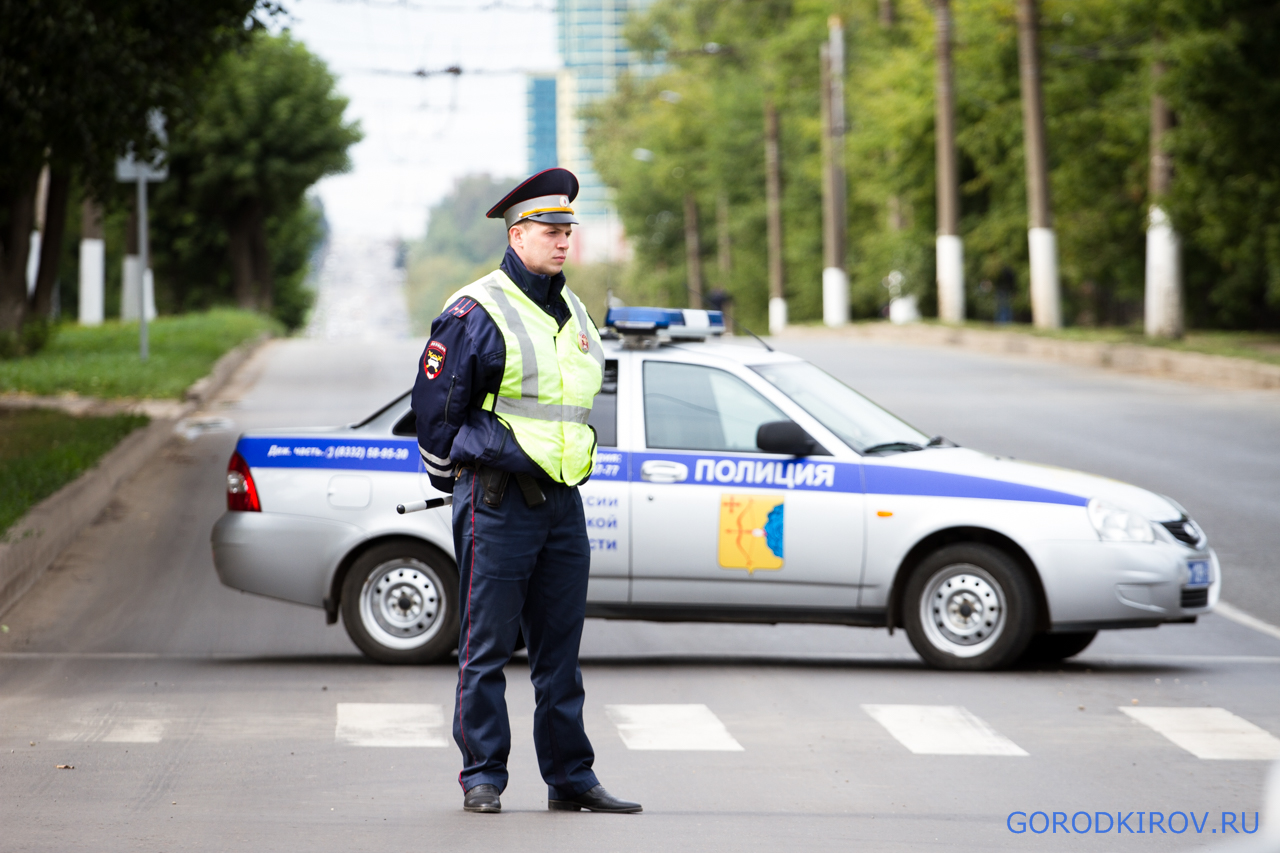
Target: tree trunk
<point x="240" y="244"/>
<point x="13" y="255"/>
<point x="948" y="248"/>
<point x="55" y="225"/>
<point x="773" y="219"/>
<point x="724" y="240"/>
<point x="692" y="251"/>
<point x="262" y="261"/>
<point x="1046" y="299"/>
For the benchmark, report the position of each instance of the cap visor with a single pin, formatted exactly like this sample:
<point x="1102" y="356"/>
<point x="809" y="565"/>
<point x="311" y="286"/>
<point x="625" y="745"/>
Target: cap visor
<point x="553" y="218"/>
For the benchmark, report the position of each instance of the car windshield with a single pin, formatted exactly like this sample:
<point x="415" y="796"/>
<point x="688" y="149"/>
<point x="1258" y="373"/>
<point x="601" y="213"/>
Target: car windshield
<point x="858" y="422"/>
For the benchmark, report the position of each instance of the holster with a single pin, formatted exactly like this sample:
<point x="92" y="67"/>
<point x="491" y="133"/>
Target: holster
<point x="493" y="482"/>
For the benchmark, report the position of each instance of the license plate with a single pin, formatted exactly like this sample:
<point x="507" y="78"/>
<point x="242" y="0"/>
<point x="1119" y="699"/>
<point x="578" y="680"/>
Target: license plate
<point x="1199" y="572"/>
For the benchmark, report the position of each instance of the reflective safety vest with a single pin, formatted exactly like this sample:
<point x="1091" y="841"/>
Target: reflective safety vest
<point x="551" y="377"/>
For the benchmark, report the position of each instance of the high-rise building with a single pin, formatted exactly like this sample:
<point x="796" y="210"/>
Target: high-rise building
<point x="542" y="122"/>
<point x="593" y="53"/>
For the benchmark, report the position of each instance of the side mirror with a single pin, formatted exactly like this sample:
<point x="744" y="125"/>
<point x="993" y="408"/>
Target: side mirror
<point x="786" y="437"/>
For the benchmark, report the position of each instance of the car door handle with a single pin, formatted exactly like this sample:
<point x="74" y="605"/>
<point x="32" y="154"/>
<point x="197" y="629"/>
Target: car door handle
<point x="663" y="471"/>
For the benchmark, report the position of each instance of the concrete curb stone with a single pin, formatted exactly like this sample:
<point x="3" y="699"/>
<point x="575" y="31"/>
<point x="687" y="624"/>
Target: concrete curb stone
<point x="35" y="540"/>
<point x="1217" y="371"/>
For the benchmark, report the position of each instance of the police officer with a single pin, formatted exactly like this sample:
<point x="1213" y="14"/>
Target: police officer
<point x="502" y="397"/>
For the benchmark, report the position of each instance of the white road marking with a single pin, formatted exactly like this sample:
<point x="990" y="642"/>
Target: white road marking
<point x="671" y="727"/>
<point x="941" y="730"/>
<point x="1246" y="619"/>
<point x="135" y="731"/>
<point x="387" y="724"/>
<point x="1211" y="733"/>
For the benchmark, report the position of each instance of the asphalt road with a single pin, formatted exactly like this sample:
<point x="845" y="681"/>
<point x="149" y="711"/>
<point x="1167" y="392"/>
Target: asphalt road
<point x="200" y="718"/>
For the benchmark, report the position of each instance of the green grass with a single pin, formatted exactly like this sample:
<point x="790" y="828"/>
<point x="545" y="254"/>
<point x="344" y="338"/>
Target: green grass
<point x="1256" y="346"/>
<point x="43" y="450"/>
<point x="103" y="361"/>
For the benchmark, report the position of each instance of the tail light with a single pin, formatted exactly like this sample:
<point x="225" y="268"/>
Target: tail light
<point x="242" y="493"/>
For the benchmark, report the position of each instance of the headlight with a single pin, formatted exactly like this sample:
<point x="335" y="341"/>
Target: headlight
<point x="1119" y="525"/>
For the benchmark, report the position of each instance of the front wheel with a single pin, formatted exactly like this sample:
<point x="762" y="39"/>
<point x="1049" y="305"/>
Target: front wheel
<point x="399" y="603"/>
<point x="969" y="606"/>
<point x="1049" y="648"/>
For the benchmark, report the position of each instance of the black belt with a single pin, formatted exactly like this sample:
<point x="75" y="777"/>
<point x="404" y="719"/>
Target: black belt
<point x="493" y="481"/>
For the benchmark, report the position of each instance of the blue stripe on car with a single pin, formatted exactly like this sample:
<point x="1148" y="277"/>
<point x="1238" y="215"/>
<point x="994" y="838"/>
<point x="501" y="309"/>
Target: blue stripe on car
<point x="813" y="474"/>
<point x="359" y="454"/>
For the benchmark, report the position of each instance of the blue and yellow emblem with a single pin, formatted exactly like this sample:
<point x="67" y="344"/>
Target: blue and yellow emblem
<point x="751" y="532"/>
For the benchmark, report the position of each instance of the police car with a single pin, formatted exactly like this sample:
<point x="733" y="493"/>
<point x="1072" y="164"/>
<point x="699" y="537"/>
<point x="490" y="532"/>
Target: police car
<point x="732" y="484"/>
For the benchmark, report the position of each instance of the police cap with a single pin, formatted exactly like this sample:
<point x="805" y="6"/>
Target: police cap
<point x="545" y="197"/>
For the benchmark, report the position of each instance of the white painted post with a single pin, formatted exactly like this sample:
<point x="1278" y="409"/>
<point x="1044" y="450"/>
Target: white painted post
<point x="1046" y="304"/>
<point x="777" y="315"/>
<point x="835" y="297"/>
<point x="1164" y="316"/>
<point x="93" y="267"/>
<point x="950" y="255"/>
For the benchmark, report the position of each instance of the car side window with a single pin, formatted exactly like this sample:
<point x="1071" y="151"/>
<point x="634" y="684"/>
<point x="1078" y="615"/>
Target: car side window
<point x="604" y="410"/>
<point x="692" y="407"/>
<point x="407" y="425"/>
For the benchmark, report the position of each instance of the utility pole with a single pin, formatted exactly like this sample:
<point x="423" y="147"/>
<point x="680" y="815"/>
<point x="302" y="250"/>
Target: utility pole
<point x="949" y="248"/>
<point x="1046" y="300"/>
<point x="1164" y="315"/>
<point x="93" y="262"/>
<point x="773" y="219"/>
<point x="692" y="251"/>
<point x="835" y="280"/>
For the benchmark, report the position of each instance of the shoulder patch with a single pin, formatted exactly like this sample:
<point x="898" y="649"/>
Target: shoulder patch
<point x="433" y="359"/>
<point x="461" y="307"/>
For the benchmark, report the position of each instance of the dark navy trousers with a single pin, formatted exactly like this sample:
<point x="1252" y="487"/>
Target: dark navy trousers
<point x="521" y="569"/>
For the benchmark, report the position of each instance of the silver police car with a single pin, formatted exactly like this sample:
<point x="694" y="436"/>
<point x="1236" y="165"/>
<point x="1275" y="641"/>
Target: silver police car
<point x="732" y="483"/>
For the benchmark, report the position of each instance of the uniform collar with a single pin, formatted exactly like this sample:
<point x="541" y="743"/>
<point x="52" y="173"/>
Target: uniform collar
<point x="542" y="289"/>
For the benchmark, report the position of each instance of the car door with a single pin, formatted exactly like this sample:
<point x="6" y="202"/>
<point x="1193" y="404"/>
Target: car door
<point x="717" y="522"/>
<point x="606" y="499"/>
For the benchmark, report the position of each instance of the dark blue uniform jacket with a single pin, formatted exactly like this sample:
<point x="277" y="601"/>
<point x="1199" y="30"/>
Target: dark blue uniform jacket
<point x="463" y="362"/>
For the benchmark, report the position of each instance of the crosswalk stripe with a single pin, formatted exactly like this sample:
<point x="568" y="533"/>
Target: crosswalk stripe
<point x="1210" y="733"/>
<point x="671" y="727"/>
<point x="941" y="730"/>
<point x="389" y="724"/>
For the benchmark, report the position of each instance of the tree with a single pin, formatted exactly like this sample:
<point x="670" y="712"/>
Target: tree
<point x="77" y="78"/>
<point x="460" y="245"/>
<point x="266" y="127"/>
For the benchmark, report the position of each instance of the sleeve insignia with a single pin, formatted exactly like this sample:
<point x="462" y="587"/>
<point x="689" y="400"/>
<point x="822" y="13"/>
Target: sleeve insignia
<point x="433" y="358"/>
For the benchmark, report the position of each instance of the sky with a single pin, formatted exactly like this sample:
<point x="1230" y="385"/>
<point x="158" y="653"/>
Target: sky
<point x="422" y="134"/>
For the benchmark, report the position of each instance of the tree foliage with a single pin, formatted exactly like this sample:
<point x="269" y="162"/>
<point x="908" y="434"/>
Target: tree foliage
<point x="698" y="129"/>
<point x="77" y="78"/>
<point x="267" y="125"/>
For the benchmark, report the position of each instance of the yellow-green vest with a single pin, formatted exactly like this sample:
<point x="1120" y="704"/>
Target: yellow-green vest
<point x="551" y="377"/>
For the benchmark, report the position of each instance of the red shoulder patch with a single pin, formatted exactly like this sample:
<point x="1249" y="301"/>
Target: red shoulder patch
<point x="433" y="359"/>
<point x="461" y="307"/>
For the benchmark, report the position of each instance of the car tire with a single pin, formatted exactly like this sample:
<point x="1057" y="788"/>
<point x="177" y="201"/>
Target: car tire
<point x="969" y="606"/>
<point x="1046" y="648"/>
<point x="400" y="603"/>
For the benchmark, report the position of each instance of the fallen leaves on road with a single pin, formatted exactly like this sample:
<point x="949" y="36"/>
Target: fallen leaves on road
<point x="65" y="767"/>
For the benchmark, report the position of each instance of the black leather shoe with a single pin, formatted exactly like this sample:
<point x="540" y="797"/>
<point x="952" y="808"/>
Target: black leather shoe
<point x="482" y="798"/>
<point x="595" y="800"/>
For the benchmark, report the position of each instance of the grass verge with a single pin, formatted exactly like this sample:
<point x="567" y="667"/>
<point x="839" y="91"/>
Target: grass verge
<point x="42" y="450"/>
<point x="102" y="361"/>
<point x="1255" y="346"/>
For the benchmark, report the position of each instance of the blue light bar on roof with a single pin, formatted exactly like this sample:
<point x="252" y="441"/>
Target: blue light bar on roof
<point x="677" y="322"/>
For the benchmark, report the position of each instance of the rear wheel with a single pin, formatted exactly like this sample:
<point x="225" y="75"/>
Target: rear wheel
<point x="399" y="603"/>
<point x="969" y="606"/>
<point x="1045" y="648"/>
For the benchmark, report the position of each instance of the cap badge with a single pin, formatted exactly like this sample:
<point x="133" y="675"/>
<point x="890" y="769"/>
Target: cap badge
<point x="564" y="201"/>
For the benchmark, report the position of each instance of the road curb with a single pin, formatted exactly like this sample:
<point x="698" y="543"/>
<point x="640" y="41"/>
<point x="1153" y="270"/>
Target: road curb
<point x="35" y="540"/>
<point x="1218" y="371"/>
